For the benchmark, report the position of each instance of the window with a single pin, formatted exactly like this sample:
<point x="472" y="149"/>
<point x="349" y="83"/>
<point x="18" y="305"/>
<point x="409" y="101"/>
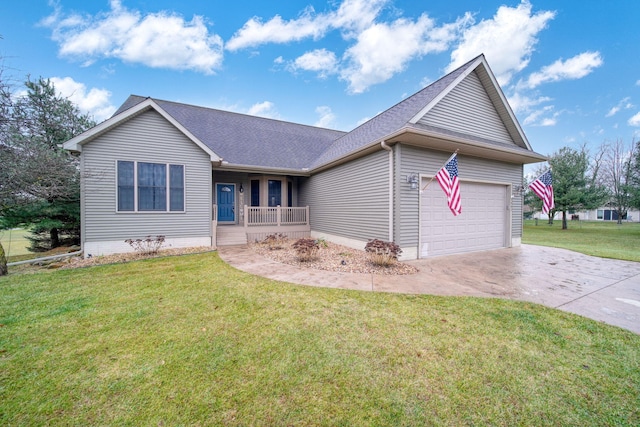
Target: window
<point x="255" y="192"/>
<point x="125" y="186"/>
<point x="600" y="214"/>
<point x="176" y="188"/>
<point x="144" y="187"/>
<point x="275" y="193"/>
<point x="289" y="193"/>
<point x="152" y="187"/>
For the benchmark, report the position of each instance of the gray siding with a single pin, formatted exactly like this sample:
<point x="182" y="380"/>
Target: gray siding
<point x="146" y="138"/>
<point x="468" y="109"/>
<point x="426" y="162"/>
<point x="350" y="200"/>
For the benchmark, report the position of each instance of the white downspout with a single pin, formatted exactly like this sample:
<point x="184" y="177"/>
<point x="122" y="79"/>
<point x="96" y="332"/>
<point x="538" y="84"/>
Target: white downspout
<point x="384" y="145"/>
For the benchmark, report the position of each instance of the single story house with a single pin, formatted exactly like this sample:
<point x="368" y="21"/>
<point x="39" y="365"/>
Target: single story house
<point x="608" y="213"/>
<point x="205" y="177"/>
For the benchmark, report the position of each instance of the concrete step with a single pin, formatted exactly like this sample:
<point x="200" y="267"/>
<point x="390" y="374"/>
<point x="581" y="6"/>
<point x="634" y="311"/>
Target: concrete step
<point x="228" y="236"/>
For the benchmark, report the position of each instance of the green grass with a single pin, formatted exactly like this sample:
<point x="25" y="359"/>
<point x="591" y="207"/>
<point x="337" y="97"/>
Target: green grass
<point x="191" y="341"/>
<point x="597" y="238"/>
<point x="14" y="242"/>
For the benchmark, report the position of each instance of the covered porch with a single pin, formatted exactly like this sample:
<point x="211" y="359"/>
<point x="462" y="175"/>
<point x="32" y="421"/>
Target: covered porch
<point x="257" y="222"/>
<point x="247" y="207"/>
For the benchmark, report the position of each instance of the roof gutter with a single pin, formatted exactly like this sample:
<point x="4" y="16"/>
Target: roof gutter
<point x="226" y="166"/>
<point x="530" y="156"/>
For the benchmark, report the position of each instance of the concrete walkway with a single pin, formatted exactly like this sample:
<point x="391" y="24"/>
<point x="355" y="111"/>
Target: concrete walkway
<point x="601" y="289"/>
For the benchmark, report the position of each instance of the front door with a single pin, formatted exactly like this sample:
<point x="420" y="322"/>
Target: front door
<point x="226" y="197"/>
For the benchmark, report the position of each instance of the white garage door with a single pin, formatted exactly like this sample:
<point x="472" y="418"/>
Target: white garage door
<point x="482" y="225"/>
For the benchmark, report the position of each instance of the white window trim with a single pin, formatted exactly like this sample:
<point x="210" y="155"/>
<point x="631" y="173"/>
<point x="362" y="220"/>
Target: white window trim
<point x="168" y="188"/>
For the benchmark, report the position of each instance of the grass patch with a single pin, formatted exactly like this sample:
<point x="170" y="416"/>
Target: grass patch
<point x="15" y="243"/>
<point x="597" y="238"/>
<point x="191" y="341"/>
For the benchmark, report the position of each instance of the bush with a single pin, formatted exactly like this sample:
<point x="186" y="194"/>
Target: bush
<point x="382" y="253"/>
<point x="307" y="249"/>
<point x="147" y="246"/>
<point x="275" y="241"/>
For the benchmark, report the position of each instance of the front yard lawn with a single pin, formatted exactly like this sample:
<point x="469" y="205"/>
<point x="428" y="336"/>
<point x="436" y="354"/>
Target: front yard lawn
<point x="191" y="341"/>
<point x="597" y="238"/>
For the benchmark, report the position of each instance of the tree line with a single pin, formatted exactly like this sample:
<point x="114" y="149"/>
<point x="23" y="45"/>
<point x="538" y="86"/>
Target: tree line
<point x="584" y="180"/>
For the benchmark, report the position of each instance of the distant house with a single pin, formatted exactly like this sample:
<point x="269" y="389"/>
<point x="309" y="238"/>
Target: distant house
<point x="608" y="213"/>
<point x="205" y="177"/>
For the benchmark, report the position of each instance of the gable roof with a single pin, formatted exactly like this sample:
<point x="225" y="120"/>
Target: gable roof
<point x="76" y="143"/>
<point x="403" y="119"/>
<point x="243" y="142"/>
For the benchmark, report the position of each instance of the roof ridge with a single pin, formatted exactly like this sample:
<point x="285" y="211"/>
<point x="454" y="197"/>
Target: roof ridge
<point x="201" y="107"/>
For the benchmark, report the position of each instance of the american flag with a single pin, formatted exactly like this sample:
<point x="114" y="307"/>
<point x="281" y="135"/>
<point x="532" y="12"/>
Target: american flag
<point x="448" y="179"/>
<point x="543" y="187"/>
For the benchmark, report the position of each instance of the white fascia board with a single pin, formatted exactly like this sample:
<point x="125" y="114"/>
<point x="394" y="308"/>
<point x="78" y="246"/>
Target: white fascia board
<point x="76" y="143"/>
<point x="446" y="91"/>
<point x="512" y="116"/>
<point x="472" y="67"/>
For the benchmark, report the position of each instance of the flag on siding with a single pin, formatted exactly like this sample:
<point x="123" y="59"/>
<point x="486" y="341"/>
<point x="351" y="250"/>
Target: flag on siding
<point x="543" y="187"/>
<point x="448" y="179"/>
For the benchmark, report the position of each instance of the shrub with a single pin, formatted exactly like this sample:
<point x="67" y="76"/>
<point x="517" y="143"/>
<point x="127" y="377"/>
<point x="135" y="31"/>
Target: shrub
<point x="275" y="241"/>
<point x="147" y="246"/>
<point x="382" y="253"/>
<point x="307" y="249"/>
<point x="322" y="242"/>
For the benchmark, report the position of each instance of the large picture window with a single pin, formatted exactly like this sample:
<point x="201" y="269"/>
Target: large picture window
<point x="150" y="187"/>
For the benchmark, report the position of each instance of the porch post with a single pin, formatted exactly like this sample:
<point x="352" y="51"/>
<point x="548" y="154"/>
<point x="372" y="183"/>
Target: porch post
<point x="244" y="218"/>
<point x="279" y="214"/>
<point x="307" y="215"/>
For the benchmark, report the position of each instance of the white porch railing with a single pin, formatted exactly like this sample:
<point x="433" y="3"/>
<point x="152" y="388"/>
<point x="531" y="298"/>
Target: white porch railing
<point x="275" y="216"/>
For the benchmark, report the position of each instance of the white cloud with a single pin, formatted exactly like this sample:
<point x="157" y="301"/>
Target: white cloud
<point x="276" y="30"/>
<point x="542" y="117"/>
<point x="623" y="104"/>
<point x="279" y="60"/>
<point x="264" y="109"/>
<point x="159" y="40"/>
<point x="507" y="40"/>
<point x="383" y="50"/>
<point x="352" y="16"/>
<point x="635" y="120"/>
<point x="549" y="121"/>
<point x="94" y="101"/>
<point x="327" y="118"/>
<point x="322" y="61"/>
<point x="380" y="49"/>
<point x="521" y="103"/>
<point x="573" y="68"/>
<point x="612" y="112"/>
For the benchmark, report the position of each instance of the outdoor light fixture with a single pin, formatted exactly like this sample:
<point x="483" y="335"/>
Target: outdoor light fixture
<point x="241" y="189"/>
<point x="517" y="190"/>
<point x="412" y="179"/>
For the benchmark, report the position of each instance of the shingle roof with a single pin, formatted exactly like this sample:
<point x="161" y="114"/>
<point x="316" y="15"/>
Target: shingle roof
<point x="241" y="139"/>
<point x="244" y="140"/>
<point x="388" y="121"/>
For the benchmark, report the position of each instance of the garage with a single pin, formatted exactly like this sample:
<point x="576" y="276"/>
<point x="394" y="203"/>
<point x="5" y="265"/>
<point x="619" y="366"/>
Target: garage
<point x="482" y="225"/>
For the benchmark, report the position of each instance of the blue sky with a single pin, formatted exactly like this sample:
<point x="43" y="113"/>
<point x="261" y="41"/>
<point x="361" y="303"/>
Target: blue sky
<point x="570" y="69"/>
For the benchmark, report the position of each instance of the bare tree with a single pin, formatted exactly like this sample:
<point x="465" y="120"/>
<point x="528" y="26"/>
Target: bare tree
<point x="617" y="175"/>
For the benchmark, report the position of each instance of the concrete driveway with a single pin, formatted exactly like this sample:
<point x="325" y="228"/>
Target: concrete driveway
<point x="601" y="289"/>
